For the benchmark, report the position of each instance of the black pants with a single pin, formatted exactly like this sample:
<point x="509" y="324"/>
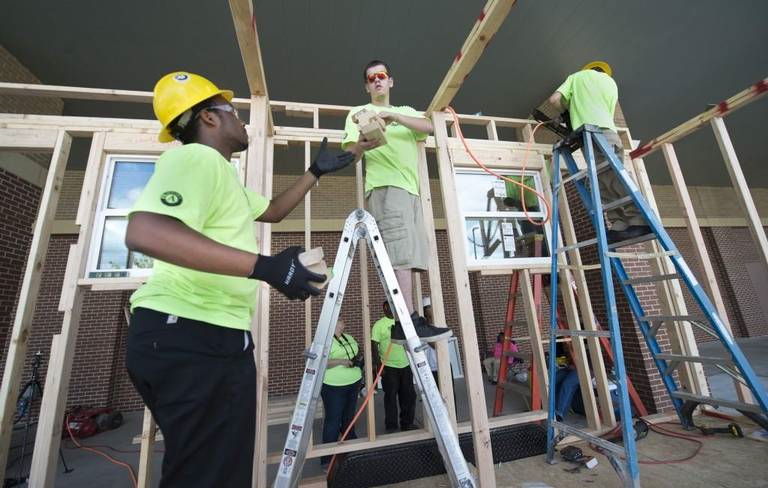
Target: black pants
<point x="199" y="381"/>
<point x="339" y="406"/>
<point x="398" y="389"/>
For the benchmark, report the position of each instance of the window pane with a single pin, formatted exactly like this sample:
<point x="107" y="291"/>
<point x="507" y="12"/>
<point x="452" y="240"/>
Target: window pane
<point x="128" y="180"/>
<point x="113" y="253"/>
<point x="503" y="238"/>
<point x="482" y="192"/>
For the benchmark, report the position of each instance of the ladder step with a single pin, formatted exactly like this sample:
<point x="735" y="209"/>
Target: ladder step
<point x="641" y="255"/>
<point x="593" y="439"/>
<point x="669" y="318"/>
<point x="631" y="242"/>
<point x="682" y="395"/>
<point x="651" y="279"/>
<point x="578" y="245"/>
<point x="617" y="203"/>
<point x="694" y="359"/>
<point x="520" y="355"/>
<point x="580" y="175"/>
<point x="583" y="267"/>
<point x="583" y="333"/>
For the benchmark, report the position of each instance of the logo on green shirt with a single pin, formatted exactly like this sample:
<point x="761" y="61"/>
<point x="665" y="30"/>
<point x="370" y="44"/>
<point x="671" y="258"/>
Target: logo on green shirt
<point x="171" y="198"/>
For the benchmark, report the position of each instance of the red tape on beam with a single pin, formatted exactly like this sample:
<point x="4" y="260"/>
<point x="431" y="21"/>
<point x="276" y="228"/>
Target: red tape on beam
<point x="457" y="58"/>
<point x="640" y="151"/>
<point x="481" y="16"/>
<point x="723" y="107"/>
<point x="760" y="87"/>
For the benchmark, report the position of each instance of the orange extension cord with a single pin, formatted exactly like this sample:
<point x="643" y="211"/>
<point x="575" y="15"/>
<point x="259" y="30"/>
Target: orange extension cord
<point x="104" y="455"/>
<point x="521" y="184"/>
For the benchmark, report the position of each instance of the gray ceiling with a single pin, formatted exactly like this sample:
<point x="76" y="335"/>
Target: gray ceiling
<point x="670" y="57"/>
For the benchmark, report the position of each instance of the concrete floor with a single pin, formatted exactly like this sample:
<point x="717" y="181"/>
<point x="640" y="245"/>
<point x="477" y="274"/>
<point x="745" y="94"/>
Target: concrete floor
<point x="722" y="462"/>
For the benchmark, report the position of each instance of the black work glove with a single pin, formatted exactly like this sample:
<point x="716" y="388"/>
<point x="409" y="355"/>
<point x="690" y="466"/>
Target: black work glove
<point x="328" y="162"/>
<point x="285" y="273"/>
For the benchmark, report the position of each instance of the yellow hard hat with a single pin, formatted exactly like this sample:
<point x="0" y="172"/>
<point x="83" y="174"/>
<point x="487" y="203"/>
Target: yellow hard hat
<point x="177" y="92"/>
<point x="599" y="64"/>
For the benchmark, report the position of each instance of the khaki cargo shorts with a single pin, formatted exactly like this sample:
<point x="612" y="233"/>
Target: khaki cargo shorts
<point x="401" y="223"/>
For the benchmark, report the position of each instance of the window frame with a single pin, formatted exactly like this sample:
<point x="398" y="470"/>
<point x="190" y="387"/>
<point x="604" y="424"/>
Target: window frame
<point x="513" y="262"/>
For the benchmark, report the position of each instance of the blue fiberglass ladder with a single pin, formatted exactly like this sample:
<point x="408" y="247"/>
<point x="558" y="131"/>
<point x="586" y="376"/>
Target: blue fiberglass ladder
<point x="624" y="459"/>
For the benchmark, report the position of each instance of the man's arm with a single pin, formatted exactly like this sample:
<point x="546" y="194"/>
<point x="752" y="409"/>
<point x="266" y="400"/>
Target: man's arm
<point x="325" y="162"/>
<point x="419" y="124"/>
<point x="281" y="205"/>
<point x="170" y="240"/>
<point x="557" y="100"/>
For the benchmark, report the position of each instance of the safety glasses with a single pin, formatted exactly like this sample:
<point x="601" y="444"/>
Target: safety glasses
<point x="381" y="75"/>
<point x="224" y="108"/>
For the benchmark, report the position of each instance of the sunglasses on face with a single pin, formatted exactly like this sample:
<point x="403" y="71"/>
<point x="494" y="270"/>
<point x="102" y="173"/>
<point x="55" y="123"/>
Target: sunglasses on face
<point x="381" y="75"/>
<point x="224" y="108"/>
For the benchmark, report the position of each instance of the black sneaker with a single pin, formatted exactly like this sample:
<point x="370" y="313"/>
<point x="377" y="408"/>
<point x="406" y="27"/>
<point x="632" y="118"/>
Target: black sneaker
<point x="631" y="232"/>
<point x="426" y="332"/>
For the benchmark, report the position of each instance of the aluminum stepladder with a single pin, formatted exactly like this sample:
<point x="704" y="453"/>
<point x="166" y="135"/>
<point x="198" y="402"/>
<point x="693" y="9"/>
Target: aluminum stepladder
<point x="586" y="138"/>
<point x="361" y="225"/>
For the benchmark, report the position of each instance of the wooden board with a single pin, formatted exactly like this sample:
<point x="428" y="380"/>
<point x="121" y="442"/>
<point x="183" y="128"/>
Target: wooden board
<point x="30" y="286"/>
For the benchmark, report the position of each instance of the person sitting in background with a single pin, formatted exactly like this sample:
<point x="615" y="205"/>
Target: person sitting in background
<point x="493" y="361"/>
<point x="340" y="386"/>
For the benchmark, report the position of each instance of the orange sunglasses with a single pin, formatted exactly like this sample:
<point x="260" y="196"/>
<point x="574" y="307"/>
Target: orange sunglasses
<point x="381" y="75"/>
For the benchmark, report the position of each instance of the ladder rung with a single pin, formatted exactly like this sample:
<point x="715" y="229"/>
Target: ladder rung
<point x="520" y="355"/>
<point x="693" y="359"/>
<point x="717" y="402"/>
<point x="651" y="279"/>
<point x="578" y="245"/>
<point x="641" y="255"/>
<point x="617" y="203"/>
<point x="583" y="333"/>
<point x="669" y="318"/>
<point x="593" y="439"/>
<point x="579" y="175"/>
<point x="517" y="323"/>
<point x="583" y="267"/>
<point x="633" y="241"/>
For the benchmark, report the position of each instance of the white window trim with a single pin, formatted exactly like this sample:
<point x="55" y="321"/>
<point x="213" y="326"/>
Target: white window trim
<point x="479" y="264"/>
<point x="102" y="212"/>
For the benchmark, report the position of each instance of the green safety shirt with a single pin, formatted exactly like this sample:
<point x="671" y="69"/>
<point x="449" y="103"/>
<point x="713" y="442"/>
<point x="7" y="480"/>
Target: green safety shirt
<point x="380" y="334"/>
<point x="396" y="162"/>
<point x="591" y="98"/>
<point x="196" y="185"/>
<point x="344" y="347"/>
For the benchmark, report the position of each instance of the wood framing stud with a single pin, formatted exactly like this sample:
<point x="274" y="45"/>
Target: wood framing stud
<point x="487" y="24"/>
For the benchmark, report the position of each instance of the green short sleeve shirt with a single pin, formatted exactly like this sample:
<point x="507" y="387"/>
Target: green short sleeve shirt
<point x="196" y="185"/>
<point x="381" y="335"/>
<point x="344" y="347"/>
<point x="396" y="162"/>
<point x="591" y="98"/>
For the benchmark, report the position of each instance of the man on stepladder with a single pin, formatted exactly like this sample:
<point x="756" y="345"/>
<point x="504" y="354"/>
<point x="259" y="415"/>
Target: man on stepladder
<point x="189" y="347"/>
<point x="590" y="96"/>
<point x="392" y="187"/>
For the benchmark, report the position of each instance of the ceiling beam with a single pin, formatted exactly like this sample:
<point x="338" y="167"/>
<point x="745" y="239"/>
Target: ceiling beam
<point x="488" y="22"/>
<point x="248" y="39"/>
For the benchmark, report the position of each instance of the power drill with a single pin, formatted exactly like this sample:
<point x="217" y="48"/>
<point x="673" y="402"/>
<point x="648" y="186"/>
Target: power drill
<point x="732" y="429"/>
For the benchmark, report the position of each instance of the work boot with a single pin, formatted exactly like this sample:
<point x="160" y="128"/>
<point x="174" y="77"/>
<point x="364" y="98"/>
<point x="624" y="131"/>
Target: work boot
<point x="426" y="332"/>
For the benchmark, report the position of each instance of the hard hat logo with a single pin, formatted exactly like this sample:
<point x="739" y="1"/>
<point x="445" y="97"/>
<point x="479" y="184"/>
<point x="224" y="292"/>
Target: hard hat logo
<point x="181" y="77"/>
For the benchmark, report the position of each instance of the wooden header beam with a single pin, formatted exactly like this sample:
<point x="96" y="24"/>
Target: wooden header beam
<point x="488" y="22"/>
<point x="248" y="39"/>
<point x="741" y="99"/>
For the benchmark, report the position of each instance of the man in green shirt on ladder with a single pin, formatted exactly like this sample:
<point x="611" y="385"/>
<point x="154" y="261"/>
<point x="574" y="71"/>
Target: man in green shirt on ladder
<point x="590" y="96"/>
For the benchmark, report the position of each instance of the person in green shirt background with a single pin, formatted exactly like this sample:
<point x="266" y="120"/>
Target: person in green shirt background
<point x="189" y="346"/>
<point x="590" y="96"/>
<point x="341" y="385"/>
<point x="396" y="378"/>
<point x="392" y="186"/>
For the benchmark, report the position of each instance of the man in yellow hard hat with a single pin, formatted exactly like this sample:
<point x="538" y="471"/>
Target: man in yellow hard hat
<point x="189" y="348"/>
<point x="590" y="96"/>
